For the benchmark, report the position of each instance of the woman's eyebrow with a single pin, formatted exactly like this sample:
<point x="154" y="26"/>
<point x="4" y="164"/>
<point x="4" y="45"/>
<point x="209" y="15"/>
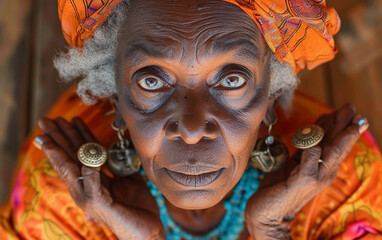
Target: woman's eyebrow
<point x="246" y="48"/>
<point x="136" y="52"/>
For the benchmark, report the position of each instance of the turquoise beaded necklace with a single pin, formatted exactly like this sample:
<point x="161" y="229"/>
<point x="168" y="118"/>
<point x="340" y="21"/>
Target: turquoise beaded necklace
<point x="233" y="221"/>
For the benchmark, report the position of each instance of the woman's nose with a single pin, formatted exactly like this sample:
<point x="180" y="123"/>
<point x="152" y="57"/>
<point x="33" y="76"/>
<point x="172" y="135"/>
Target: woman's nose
<point x="191" y="128"/>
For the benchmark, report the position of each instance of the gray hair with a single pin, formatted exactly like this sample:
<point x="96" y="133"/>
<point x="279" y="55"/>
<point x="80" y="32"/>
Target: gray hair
<point x="94" y="65"/>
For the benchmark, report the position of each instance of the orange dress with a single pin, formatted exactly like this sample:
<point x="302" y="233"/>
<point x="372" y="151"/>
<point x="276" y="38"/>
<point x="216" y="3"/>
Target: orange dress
<point x="40" y="207"/>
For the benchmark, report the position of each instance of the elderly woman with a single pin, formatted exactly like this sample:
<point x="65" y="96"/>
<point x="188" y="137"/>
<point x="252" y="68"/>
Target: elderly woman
<point x="191" y="91"/>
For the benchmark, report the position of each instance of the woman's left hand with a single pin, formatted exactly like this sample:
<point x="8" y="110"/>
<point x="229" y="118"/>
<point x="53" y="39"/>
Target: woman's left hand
<point x="124" y="204"/>
<point x="269" y="210"/>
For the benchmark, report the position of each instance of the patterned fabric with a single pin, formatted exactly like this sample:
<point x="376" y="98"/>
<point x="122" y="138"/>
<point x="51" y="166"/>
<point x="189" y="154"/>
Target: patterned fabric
<point x="80" y="18"/>
<point x="299" y="32"/>
<point x="40" y="206"/>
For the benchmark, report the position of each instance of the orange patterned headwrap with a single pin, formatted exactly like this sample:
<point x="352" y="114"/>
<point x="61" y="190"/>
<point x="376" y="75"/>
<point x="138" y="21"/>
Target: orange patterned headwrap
<point x="299" y="32"/>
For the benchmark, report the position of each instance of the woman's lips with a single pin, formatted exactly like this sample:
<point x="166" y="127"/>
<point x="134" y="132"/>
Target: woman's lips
<point x="194" y="180"/>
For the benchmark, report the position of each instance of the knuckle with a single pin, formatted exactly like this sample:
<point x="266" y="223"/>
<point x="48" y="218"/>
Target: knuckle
<point x="65" y="174"/>
<point x="48" y="146"/>
<point x="354" y="131"/>
<point x="310" y="173"/>
<point x="90" y="172"/>
<point x="72" y="149"/>
<point x="52" y="131"/>
<point x="63" y="171"/>
<point x="315" y="152"/>
<point x="334" y="151"/>
<point x="310" y="177"/>
<point x="90" y="195"/>
<point x="71" y="130"/>
<point x="337" y="152"/>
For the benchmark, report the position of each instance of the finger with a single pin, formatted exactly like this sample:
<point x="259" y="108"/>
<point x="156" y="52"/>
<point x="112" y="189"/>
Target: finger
<point x="83" y="129"/>
<point x="340" y="147"/>
<point x="63" y="165"/>
<point x="342" y="119"/>
<point x="37" y="142"/>
<point x="70" y="132"/>
<point x="50" y="128"/>
<point x="93" y="188"/>
<point x="325" y="121"/>
<point x="309" y="161"/>
<point x="361" y="122"/>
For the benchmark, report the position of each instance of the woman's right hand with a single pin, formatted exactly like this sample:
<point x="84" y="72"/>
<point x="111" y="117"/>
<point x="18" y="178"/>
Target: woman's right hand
<point x="125" y="205"/>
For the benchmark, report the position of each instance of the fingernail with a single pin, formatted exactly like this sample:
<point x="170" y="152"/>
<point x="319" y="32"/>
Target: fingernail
<point x="363" y="125"/>
<point x="37" y="142"/>
<point x="361" y="122"/>
<point x="40" y="123"/>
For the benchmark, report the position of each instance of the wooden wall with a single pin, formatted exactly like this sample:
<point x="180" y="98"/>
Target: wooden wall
<point x="30" y="36"/>
<point x="29" y="85"/>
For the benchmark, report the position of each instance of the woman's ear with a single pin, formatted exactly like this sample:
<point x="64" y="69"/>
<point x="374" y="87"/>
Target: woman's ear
<point x="270" y="116"/>
<point x="118" y="121"/>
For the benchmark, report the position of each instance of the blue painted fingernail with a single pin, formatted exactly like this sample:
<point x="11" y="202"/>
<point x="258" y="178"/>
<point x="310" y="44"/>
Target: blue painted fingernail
<point x="37" y="142"/>
<point x="363" y="125"/>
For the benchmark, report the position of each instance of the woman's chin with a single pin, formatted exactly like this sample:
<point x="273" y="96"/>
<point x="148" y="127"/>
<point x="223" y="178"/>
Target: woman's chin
<point x="195" y="199"/>
<point x="197" y="194"/>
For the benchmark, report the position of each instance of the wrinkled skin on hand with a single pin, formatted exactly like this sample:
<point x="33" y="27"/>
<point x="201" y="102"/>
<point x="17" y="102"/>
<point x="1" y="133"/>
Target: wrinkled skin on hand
<point x="269" y="210"/>
<point x="123" y="204"/>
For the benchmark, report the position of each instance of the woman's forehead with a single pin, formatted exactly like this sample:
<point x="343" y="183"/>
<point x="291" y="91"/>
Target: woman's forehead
<point x="171" y="28"/>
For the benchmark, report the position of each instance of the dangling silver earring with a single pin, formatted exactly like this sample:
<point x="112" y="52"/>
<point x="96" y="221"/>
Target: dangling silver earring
<point x="270" y="153"/>
<point x="123" y="160"/>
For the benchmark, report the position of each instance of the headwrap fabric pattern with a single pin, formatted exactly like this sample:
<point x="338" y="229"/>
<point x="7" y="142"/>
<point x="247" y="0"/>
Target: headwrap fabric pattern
<point x="80" y="18"/>
<point x="299" y="32"/>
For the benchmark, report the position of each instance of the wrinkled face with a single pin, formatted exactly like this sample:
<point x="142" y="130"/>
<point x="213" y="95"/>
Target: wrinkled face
<point x="193" y="79"/>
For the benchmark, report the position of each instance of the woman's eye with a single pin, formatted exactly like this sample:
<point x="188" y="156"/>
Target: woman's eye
<point x="232" y="81"/>
<point x="151" y="83"/>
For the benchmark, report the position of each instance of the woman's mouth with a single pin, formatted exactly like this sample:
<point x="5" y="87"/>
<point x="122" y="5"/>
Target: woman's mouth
<point x="194" y="180"/>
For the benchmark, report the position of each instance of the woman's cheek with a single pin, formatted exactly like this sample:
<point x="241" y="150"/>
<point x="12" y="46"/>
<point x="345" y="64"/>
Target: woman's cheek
<point x="235" y="100"/>
<point x="240" y="128"/>
<point x="148" y="101"/>
<point x="144" y="129"/>
<point x="242" y="142"/>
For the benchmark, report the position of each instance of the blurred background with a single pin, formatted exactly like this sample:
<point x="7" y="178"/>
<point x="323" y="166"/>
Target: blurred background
<point x="30" y="36"/>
